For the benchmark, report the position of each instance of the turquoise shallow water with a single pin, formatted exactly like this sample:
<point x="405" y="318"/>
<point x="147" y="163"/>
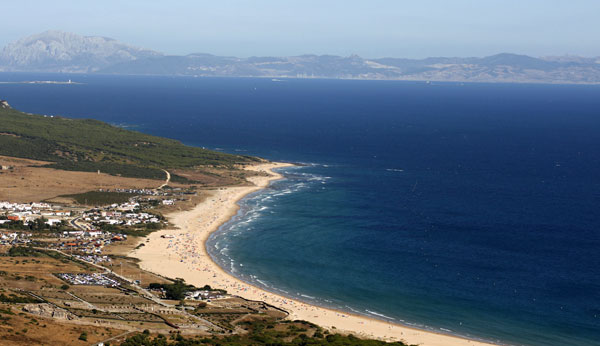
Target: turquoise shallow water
<point x="468" y="209"/>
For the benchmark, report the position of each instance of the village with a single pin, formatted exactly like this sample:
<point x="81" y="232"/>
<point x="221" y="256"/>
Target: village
<point x="120" y="214"/>
<point x="29" y="212"/>
<point x="64" y="261"/>
<point x="75" y="228"/>
<point x="67" y="243"/>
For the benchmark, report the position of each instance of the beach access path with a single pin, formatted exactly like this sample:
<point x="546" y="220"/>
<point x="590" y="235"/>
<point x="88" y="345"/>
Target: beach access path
<point x="185" y="256"/>
<point x="167" y="180"/>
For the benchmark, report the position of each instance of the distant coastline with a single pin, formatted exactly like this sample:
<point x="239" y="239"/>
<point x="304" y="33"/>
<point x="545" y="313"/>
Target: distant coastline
<point x="43" y="82"/>
<point x="112" y="57"/>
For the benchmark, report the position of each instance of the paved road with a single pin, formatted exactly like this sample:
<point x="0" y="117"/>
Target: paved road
<point x="81" y="227"/>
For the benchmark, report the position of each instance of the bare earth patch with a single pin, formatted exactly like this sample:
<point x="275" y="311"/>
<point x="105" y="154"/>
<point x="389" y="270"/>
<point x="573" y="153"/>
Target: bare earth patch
<point x="25" y="183"/>
<point x="16" y="162"/>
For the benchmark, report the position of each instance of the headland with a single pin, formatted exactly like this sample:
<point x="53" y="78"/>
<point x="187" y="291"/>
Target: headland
<point x="98" y="189"/>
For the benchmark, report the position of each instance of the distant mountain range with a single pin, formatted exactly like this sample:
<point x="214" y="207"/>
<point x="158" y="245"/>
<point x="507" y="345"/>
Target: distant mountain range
<point x="55" y="51"/>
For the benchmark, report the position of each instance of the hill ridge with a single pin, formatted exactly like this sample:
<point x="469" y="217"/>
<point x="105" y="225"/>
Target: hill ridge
<point x="91" y="145"/>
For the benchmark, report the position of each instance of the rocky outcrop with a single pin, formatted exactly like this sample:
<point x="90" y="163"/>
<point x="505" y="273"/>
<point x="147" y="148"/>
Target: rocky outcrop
<point x="50" y="311"/>
<point x="4" y="104"/>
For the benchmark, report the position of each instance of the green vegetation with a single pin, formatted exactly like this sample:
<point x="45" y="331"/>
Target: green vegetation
<point x="27" y="251"/>
<point x="12" y="298"/>
<point x="100" y="197"/>
<point x="174" y="291"/>
<point x="23" y="251"/>
<point x="38" y="225"/>
<point x="91" y="145"/>
<point x="178" y="289"/>
<point x="112" y="168"/>
<point x="267" y="336"/>
<point x="5" y="319"/>
<point x="139" y="230"/>
<point x="6" y="311"/>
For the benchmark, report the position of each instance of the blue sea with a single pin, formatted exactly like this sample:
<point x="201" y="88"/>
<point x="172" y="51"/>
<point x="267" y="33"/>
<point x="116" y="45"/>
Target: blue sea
<point x="468" y="209"/>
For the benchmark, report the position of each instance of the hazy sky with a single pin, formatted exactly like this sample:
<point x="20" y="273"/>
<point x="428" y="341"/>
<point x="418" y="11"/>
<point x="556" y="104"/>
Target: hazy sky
<point x="370" y="28"/>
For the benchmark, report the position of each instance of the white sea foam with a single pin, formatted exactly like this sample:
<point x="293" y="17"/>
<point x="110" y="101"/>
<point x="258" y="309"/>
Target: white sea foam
<point x="262" y="282"/>
<point x="380" y="315"/>
<point x="351" y="309"/>
<point x="311" y="164"/>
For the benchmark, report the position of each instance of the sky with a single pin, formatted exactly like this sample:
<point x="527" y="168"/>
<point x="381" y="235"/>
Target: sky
<point x="369" y="28"/>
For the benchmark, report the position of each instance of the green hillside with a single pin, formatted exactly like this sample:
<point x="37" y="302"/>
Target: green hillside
<point x="90" y="145"/>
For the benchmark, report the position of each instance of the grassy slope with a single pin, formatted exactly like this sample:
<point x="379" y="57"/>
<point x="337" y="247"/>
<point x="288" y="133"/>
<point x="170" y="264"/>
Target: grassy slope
<point x="89" y="145"/>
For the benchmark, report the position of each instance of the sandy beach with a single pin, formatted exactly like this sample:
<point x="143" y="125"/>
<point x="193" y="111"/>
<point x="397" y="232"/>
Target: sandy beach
<point x="185" y="256"/>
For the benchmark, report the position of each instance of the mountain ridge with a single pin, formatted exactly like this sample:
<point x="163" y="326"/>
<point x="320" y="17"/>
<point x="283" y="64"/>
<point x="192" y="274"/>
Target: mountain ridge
<point x="55" y="51"/>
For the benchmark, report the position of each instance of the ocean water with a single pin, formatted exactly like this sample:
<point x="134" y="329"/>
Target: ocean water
<point x="466" y="209"/>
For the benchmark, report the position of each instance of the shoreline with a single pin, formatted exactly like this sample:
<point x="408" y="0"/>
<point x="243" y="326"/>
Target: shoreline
<point x="185" y="256"/>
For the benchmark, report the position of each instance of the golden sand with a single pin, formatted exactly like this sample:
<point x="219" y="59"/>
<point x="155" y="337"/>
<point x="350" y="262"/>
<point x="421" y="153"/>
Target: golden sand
<point x="185" y="256"/>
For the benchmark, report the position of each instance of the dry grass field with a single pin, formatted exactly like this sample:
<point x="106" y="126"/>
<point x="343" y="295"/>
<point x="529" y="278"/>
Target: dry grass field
<point x="29" y="284"/>
<point x="28" y="182"/>
<point x="34" y="274"/>
<point x="21" y="329"/>
<point x="128" y="267"/>
<point x="39" y="308"/>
